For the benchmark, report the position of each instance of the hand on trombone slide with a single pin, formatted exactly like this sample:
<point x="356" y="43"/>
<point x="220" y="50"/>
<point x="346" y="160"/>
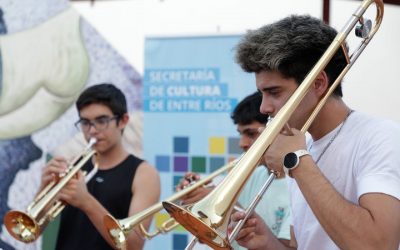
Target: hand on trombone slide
<point x="254" y="232"/>
<point x="189" y="179"/>
<point x="288" y="140"/>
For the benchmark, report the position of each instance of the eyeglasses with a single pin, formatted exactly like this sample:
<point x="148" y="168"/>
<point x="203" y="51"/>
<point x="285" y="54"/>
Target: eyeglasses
<point x="99" y="123"/>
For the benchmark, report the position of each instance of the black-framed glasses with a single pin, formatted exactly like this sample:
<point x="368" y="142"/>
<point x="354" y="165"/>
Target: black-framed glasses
<point x="99" y="123"/>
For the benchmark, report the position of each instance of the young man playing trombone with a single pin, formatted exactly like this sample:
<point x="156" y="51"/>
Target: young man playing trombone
<point x="274" y="206"/>
<point x="122" y="186"/>
<point x="345" y="181"/>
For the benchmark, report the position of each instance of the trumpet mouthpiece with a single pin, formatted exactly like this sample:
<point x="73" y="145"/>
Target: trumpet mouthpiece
<point x="92" y="141"/>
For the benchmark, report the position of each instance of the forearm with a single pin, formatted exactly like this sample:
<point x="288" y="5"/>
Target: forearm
<point x="278" y="244"/>
<point x="275" y="244"/>
<point x="134" y="242"/>
<point x="96" y="212"/>
<point x="286" y="244"/>
<point x="350" y="226"/>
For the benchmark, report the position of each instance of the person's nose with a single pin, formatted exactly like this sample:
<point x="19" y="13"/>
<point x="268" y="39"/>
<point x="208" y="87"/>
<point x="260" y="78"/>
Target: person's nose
<point x="266" y="107"/>
<point x="92" y="129"/>
<point x="244" y="143"/>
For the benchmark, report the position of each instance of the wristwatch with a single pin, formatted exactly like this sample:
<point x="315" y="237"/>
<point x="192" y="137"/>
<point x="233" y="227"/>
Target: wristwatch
<point x="292" y="160"/>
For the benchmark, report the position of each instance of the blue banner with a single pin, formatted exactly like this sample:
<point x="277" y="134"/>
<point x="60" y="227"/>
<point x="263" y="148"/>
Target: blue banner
<point x="190" y="87"/>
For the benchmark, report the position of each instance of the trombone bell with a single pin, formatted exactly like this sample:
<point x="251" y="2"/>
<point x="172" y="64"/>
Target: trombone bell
<point x="197" y="227"/>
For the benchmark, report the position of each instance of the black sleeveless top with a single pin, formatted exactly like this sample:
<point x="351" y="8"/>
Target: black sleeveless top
<point x="113" y="189"/>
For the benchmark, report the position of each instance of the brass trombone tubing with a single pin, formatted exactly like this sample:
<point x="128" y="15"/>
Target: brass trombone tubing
<point x="208" y="218"/>
<point x="351" y="59"/>
<point x="118" y="230"/>
<point x="251" y="207"/>
<point x="249" y="210"/>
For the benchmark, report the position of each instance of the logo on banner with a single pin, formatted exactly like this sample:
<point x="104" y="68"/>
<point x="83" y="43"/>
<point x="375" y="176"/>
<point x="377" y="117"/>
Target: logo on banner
<point x="186" y="90"/>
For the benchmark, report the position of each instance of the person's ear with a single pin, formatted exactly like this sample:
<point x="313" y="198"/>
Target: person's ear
<point x="123" y="121"/>
<point x="321" y="83"/>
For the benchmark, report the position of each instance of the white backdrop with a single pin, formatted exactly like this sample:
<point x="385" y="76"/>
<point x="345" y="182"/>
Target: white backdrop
<point x="371" y="86"/>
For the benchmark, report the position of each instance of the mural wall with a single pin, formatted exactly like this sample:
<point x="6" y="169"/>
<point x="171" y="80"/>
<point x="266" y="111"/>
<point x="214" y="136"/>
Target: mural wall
<point x="49" y="53"/>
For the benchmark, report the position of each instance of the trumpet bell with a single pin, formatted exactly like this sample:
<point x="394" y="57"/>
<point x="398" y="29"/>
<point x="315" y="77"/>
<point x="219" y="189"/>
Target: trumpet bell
<point x="21" y="226"/>
<point x="27" y="226"/>
<point x="197" y="227"/>
<point x="116" y="233"/>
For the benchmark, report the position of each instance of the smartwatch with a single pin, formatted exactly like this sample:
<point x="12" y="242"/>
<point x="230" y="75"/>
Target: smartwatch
<point x="292" y="160"/>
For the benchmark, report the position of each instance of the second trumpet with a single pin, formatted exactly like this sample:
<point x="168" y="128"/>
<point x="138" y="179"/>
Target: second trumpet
<point x="118" y="230"/>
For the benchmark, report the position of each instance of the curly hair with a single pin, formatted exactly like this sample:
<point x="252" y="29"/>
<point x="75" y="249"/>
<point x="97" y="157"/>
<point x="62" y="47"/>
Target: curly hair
<point x="291" y="46"/>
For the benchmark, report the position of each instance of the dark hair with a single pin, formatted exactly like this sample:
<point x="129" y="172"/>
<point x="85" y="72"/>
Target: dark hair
<point x="248" y="110"/>
<point x="290" y="46"/>
<point x="106" y="94"/>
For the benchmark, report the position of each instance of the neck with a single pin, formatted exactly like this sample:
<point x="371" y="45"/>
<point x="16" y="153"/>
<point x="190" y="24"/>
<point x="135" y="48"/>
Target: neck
<point x="331" y="115"/>
<point x="112" y="157"/>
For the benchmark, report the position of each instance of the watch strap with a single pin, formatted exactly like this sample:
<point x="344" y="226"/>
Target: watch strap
<point x="299" y="153"/>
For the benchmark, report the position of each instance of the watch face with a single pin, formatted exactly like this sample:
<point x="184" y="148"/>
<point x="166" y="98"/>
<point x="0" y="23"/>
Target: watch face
<point x="290" y="160"/>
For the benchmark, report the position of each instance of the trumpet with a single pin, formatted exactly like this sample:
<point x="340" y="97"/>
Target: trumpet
<point x="118" y="230"/>
<point x="28" y="226"/>
<point x="208" y="219"/>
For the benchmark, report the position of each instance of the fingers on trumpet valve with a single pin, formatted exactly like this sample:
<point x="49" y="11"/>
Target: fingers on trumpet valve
<point x="54" y="170"/>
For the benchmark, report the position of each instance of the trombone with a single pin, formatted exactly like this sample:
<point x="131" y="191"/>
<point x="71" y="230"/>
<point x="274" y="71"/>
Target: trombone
<point x="28" y="226"/>
<point x="118" y="230"/>
<point x="208" y="219"/>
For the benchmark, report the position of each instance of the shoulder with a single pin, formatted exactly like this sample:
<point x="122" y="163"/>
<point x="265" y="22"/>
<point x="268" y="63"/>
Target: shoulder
<point x="363" y="122"/>
<point x="373" y="137"/>
<point x="142" y="166"/>
<point x="146" y="174"/>
<point x="145" y="167"/>
<point x="376" y="150"/>
<point x="373" y="130"/>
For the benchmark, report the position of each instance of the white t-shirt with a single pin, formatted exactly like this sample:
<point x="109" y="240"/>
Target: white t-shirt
<point x="363" y="158"/>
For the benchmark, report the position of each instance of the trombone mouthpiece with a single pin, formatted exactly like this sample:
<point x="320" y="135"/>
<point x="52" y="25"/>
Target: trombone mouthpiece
<point x="269" y="120"/>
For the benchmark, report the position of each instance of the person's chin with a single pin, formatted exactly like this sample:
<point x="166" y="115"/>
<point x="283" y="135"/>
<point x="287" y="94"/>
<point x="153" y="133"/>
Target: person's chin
<point x="100" y="146"/>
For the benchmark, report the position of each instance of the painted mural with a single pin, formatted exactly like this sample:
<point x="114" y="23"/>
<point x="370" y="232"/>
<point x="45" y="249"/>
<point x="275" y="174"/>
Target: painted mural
<point x="49" y="53"/>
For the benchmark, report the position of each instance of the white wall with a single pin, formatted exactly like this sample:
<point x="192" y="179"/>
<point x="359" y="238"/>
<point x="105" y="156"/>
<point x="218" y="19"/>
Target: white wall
<point x="371" y="86"/>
